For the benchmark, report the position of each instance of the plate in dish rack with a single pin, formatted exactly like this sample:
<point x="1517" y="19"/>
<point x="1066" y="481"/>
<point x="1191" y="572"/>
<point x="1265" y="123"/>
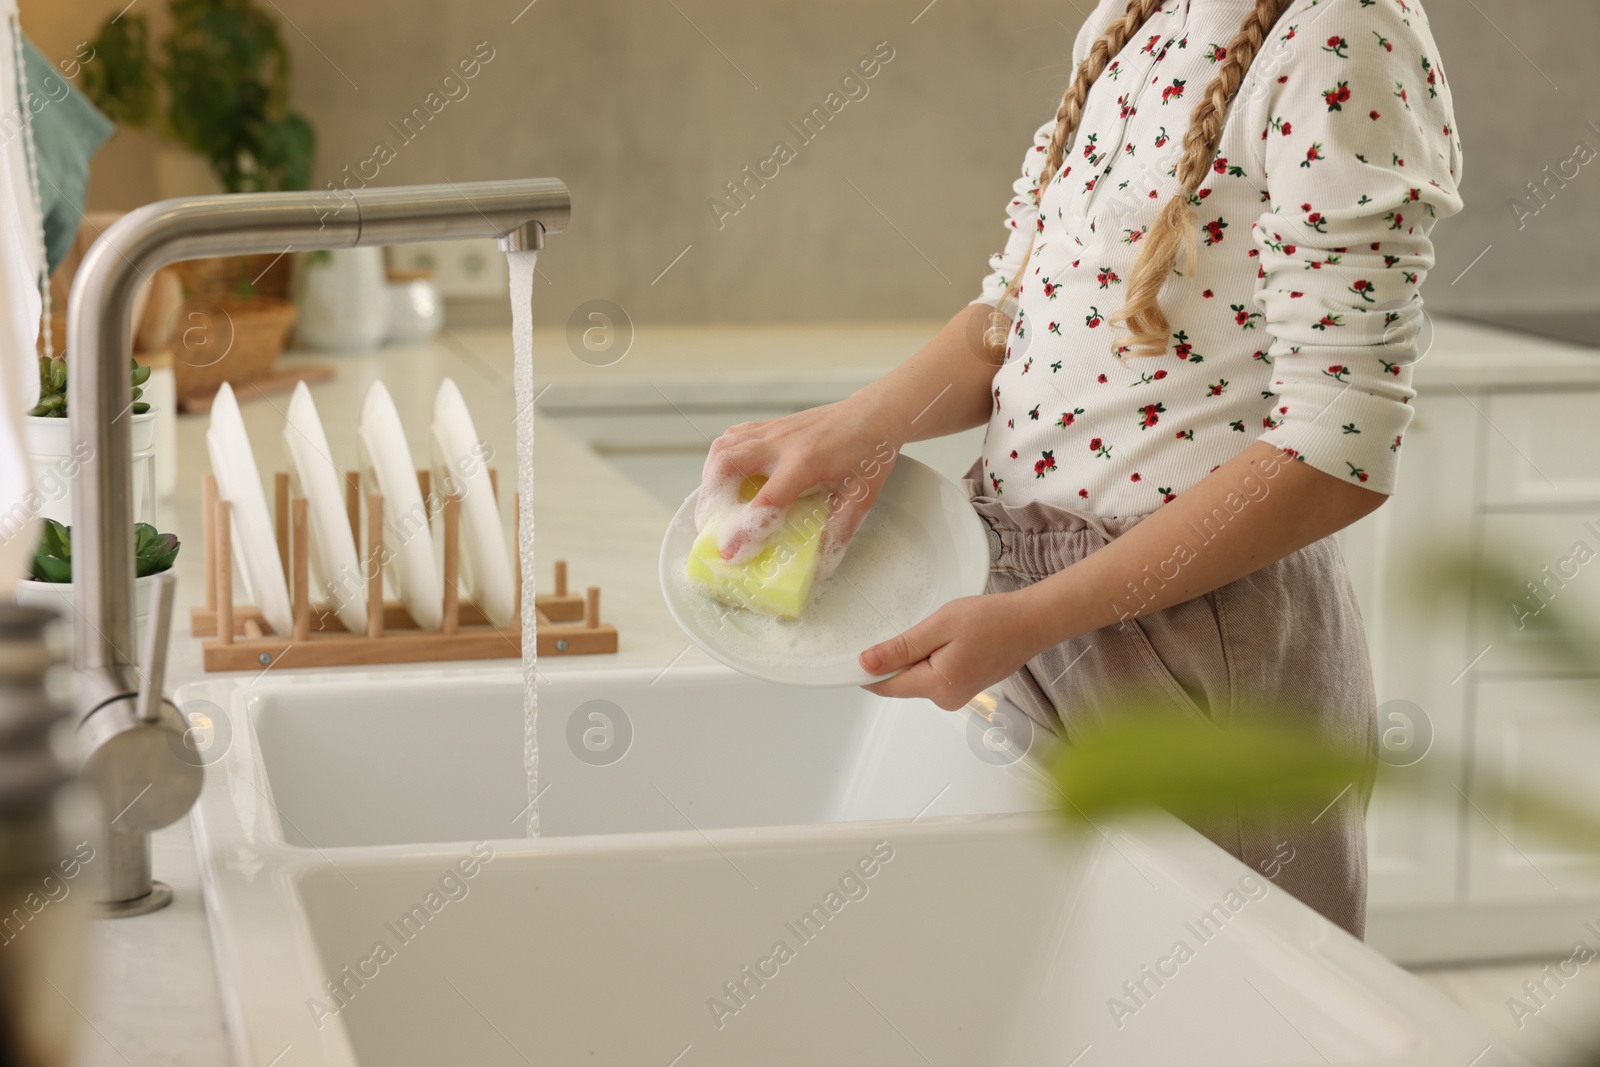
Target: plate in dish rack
<point x="239" y="483"/>
<point x="921" y="546"/>
<point x="459" y="455"/>
<point x="335" y="567"/>
<point x="407" y="541"/>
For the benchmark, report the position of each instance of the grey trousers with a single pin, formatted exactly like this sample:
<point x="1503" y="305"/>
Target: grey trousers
<point x="1289" y="635"/>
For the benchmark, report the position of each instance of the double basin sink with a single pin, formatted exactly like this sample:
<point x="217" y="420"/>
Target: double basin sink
<point x="730" y="872"/>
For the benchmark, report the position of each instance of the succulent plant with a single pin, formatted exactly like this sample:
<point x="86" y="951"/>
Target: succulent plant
<point x="53" y="388"/>
<point x="153" y="552"/>
<point x="52" y="559"/>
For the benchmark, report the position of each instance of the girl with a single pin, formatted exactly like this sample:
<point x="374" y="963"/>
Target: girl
<point x="1207" y="313"/>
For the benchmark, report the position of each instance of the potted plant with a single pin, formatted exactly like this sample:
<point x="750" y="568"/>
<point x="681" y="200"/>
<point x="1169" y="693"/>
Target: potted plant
<point x="218" y="87"/>
<point x="49" y="583"/>
<point x="47" y="435"/>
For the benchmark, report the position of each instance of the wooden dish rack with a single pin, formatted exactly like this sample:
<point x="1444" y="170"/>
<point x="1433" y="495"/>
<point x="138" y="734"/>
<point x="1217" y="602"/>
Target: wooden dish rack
<point x="241" y="639"/>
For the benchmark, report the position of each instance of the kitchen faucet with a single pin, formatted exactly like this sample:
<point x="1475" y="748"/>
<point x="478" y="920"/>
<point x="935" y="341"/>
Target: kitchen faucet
<point x="131" y="735"/>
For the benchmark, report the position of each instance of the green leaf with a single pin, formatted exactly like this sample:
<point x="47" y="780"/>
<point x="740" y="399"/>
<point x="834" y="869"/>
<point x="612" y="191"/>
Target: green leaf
<point x="50" y="569"/>
<point x="52" y="558"/>
<point x="153" y="551"/>
<point x="1145" y="756"/>
<point x="122" y="79"/>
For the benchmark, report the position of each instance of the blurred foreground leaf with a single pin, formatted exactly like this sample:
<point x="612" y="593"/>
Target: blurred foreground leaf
<point x="1141" y="759"/>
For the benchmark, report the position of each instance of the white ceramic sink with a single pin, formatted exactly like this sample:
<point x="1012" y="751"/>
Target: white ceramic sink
<point x="372" y="903"/>
<point x="364" y="761"/>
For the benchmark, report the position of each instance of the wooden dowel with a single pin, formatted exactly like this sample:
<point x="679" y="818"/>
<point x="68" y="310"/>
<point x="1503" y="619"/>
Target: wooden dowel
<point x="374" y="566"/>
<point x="301" y="543"/>
<point x="280" y="515"/>
<point x="352" y="502"/>
<point x="424" y="480"/>
<point x="561" y="577"/>
<point x="494" y="485"/>
<point x="591" y="607"/>
<point x="452" y="563"/>
<point x="224" y="561"/>
<point x="252" y="629"/>
<point x="208" y="537"/>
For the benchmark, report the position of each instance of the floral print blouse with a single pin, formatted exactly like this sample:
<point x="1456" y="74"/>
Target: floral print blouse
<point x="1303" y="315"/>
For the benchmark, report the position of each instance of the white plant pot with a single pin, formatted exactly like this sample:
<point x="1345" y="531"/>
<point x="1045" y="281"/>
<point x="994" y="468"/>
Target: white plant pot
<point x="57" y="596"/>
<point x="343" y="299"/>
<point x="49" y="445"/>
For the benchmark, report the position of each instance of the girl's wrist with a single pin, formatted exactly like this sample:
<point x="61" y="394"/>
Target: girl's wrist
<point x="1053" y="610"/>
<point x="878" y="409"/>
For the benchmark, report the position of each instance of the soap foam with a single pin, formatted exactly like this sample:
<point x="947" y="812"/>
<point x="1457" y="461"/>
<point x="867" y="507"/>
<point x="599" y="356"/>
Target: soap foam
<point x="883" y="585"/>
<point x="521" y="266"/>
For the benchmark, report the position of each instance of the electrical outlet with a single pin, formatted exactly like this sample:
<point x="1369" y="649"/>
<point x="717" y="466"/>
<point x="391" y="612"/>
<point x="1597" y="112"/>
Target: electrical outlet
<point x="474" y="268"/>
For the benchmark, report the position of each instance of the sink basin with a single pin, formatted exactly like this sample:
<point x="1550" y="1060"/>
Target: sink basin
<point x="391" y="760"/>
<point x="734" y="873"/>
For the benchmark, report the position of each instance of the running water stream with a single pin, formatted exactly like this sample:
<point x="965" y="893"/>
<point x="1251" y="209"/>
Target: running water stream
<point x="522" y="264"/>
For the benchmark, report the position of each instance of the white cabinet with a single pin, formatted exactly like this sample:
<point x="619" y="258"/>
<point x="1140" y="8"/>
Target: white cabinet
<point x="1541" y="735"/>
<point x="1554" y="559"/>
<point x="1542" y="450"/>
<point x="1505" y="475"/>
<point x="1414" y="844"/>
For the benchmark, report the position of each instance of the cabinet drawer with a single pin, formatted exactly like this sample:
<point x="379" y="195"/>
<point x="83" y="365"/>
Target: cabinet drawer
<point x="1539" y="735"/>
<point x="1541" y="450"/>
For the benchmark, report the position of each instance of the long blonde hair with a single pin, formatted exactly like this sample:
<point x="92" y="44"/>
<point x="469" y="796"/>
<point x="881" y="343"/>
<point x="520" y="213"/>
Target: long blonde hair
<point x="1173" y="232"/>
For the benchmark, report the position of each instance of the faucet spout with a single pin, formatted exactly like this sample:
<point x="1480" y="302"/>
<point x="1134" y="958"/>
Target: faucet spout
<point x="517" y="213"/>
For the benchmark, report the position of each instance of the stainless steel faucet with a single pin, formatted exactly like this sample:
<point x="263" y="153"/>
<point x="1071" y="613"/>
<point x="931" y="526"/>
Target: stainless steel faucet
<point x="130" y="733"/>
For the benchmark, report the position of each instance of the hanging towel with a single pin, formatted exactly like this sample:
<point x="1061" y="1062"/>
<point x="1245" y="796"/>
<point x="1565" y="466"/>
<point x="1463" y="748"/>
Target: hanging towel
<point x="21" y="267"/>
<point x="67" y="131"/>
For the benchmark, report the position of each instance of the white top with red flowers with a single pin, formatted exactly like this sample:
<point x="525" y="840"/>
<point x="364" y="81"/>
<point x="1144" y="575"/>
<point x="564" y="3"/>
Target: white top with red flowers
<point x="1303" y="315"/>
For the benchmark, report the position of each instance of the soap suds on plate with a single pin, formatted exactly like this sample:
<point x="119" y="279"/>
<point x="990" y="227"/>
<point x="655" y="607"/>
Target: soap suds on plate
<point x="884" y="584"/>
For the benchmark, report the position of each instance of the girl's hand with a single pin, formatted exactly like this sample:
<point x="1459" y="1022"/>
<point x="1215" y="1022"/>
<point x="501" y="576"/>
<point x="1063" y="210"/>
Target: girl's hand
<point x="958" y="651"/>
<point x="845" y="449"/>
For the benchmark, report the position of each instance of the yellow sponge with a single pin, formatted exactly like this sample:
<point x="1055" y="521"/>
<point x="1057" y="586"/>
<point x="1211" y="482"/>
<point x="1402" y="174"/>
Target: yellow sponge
<point x="778" y="579"/>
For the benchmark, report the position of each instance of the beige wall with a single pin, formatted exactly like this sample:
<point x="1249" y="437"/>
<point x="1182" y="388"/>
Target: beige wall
<point x="891" y="211"/>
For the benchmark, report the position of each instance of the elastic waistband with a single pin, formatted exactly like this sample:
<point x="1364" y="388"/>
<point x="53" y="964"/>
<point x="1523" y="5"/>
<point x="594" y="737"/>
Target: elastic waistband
<point x="1038" y="538"/>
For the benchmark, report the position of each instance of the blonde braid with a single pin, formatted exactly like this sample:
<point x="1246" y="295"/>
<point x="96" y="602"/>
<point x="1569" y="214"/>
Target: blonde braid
<point x="1117" y="34"/>
<point x="1173" y="232"/>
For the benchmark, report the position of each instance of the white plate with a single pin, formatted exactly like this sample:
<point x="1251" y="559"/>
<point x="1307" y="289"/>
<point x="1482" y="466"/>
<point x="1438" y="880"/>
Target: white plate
<point x="239" y="483"/>
<point x="335" y="565"/>
<point x="408" y="544"/>
<point x="460" y="461"/>
<point x="921" y="547"/>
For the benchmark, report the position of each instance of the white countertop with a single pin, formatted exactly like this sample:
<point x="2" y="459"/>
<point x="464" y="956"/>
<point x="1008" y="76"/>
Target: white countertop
<point x="152" y="996"/>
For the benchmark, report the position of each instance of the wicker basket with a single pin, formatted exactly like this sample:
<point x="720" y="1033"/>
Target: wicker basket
<point x="227" y="340"/>
<point x="220" y="277"/>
